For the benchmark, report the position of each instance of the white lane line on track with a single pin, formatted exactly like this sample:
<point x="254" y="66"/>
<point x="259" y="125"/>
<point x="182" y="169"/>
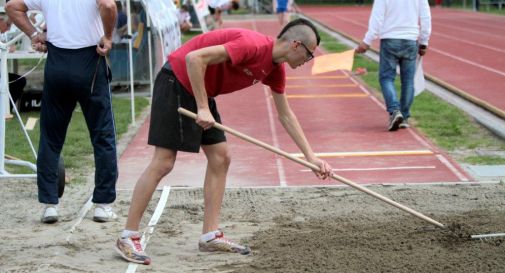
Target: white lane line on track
<point x="487" y="68"/>
<point x="443" y="35"/>
<point x="275" y="140"/>
<point x="372" y="97"/>
<point x="478" y="32"/>
<point x="445" y="53"/>
<point x="469" y="42"/>
<point x="451" y="167"/>
<point x="420" y="139"/>
<point x="379" y="169"/>
<point x="82" y="213"/>
<point x="132" y="267"/>
<point x="357" y="83"/>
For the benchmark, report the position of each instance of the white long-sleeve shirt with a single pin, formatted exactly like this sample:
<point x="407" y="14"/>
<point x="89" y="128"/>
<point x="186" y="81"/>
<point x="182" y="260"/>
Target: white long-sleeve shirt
<point x="399" y="19"/>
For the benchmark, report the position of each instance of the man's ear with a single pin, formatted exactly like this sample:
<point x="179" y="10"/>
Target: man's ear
<point x="294" y="44"/>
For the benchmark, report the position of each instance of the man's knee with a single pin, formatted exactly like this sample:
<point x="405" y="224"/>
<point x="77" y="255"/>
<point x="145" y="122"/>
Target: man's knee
<point x="163" y="163"/>
<point x="220" y="158"/>
<point x="163" y="168"/>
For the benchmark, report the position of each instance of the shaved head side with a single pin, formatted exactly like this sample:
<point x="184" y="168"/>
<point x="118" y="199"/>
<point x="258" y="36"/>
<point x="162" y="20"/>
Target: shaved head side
<point x="300" y="30"/>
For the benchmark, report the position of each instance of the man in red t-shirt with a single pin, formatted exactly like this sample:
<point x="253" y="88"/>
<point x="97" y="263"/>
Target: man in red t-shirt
<point x="211" y="64"/>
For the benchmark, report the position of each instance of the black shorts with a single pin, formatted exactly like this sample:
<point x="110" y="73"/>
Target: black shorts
<point x="171" y="130"/>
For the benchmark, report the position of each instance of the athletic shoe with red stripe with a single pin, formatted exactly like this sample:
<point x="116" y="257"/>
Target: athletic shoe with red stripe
<point x="221" y="244"/>
<point x="131" y="250"/>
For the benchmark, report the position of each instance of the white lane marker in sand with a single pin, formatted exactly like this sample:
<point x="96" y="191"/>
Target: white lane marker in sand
<point x="82" y="213"/>
<point x="132" y="267"/>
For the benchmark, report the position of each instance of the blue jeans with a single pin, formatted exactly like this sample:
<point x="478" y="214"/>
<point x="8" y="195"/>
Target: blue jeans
<point x="400" y="52"/>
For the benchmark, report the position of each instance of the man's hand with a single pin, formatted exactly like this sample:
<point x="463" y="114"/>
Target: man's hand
<point x="104" y="46"/>
<point x="362" y="48"/>
<point x="205" y="119"/>
<point x="325" y="169"/>
<point x="39" y="42"/>
<point x="422" y="49"/>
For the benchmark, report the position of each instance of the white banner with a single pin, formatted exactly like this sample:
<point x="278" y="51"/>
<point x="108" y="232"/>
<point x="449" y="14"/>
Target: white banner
<point x="163" y="15"/>
<point x="202" y="10"/>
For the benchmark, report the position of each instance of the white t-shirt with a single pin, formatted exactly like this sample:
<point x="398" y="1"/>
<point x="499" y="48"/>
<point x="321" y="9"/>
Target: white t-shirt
<point x="220" y="4"/>
<point x="183" y="16"/>
<point x="70" y="24"/>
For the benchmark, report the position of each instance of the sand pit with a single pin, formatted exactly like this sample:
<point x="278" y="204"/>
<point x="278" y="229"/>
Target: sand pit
<point x="289" y="230"/>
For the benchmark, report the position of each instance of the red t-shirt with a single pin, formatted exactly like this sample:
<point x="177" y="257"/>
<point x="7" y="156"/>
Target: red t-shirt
<point x="250" y="62"/>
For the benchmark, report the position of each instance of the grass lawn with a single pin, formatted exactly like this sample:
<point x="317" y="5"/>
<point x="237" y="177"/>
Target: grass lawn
<point x="77" y="151"/>
<point x="444" y="124"/>
<point x="188" y="35"/>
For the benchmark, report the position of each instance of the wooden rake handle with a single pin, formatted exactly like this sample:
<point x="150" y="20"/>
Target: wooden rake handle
<point x="314" y="167"/>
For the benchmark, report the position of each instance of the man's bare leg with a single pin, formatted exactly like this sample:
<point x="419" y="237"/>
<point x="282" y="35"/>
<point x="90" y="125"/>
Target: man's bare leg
<point x="161" y="164"/>
<point x="215" y="181"/>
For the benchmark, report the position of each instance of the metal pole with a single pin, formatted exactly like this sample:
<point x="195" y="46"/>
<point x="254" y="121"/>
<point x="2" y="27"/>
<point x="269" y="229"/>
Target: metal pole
<point x="130" y="57"/>
<point x="3" y="104"/>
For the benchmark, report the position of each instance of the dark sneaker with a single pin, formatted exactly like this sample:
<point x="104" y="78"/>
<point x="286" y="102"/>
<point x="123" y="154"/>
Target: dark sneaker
<point x="404" y="124"/>
<point x="394" y="120"/>
<point x="221" y="244"/>
<point x="131" y="250"/>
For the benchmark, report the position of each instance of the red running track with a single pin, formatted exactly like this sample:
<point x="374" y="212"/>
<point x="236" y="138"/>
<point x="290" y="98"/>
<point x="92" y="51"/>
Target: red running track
<point x="344" y="122"/>
<point x="465" y="51"/>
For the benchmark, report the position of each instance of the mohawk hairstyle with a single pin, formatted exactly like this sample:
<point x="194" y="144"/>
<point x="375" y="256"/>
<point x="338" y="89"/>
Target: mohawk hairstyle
<point x="300" y="22"/>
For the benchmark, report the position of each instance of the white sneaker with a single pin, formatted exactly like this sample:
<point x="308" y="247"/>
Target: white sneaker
<point x="104" y="213"/>
<point x="50" y="214"/>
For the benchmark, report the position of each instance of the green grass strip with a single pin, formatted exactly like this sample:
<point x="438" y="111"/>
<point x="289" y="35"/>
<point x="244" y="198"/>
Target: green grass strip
<point x="77" y="150"/>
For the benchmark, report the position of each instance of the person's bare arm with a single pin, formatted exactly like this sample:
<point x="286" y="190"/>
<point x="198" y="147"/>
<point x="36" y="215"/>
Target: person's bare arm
<point x="108" y="13"/>
<point x="196" y="65"/>
<point x="293" y="128"/>
<point x="16" y="9"/>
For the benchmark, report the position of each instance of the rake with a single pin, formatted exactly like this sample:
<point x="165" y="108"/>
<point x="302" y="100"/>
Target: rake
<point x="334" y="176"/>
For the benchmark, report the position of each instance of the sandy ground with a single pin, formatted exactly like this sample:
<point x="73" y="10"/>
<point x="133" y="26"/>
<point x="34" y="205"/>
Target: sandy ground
<point x="334" y="229"/>
<point x="289" y="230"/>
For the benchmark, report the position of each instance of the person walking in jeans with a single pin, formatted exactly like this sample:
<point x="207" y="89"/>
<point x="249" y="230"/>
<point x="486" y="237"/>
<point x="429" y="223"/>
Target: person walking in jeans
<point x="404" y="28"/>
<point x="79" y="35"/>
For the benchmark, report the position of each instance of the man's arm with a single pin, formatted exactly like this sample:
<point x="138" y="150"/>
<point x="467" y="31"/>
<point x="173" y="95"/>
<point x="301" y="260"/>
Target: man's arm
<point x="196" y="65"/>
<point x="293" y="128"/>
<point x="374" y="25"/>
<point x="425" y="20"/>
<point x="108" y="13"/>
<point x="16" y="9"/>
